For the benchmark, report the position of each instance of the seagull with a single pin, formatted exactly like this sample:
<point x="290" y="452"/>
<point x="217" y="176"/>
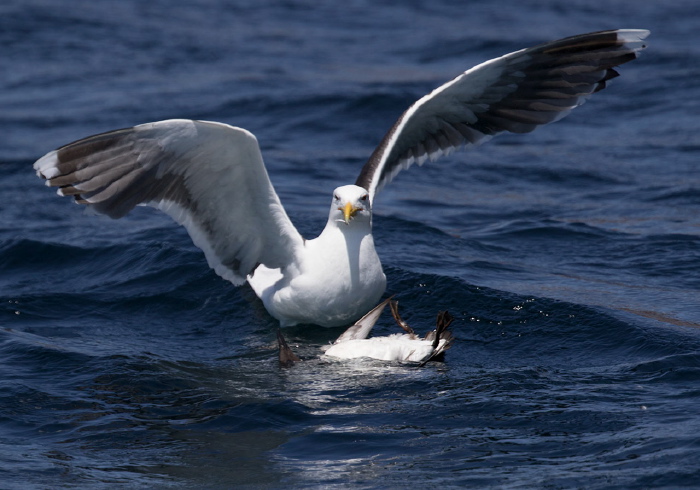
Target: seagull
<point x="408" y="347"/>
<point x="210" y="177"/>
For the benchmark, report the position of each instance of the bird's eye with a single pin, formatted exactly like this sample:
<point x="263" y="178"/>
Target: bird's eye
<point x="364" y="198"/>
<point x="335" y="196"/>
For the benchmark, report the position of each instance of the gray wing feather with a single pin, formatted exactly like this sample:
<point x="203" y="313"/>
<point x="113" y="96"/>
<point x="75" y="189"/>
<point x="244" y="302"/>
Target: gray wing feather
<point x="209" y="177"/>
<point x="516" y="92"/>
<point x="363" y="326"/>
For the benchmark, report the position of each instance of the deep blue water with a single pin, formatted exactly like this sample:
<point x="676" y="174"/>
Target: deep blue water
<point x="570" y="257"/>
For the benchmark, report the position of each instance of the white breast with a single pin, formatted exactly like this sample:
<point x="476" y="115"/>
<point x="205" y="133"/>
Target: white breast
<point x="339" y="278"/>
<point x="396" y="347"/>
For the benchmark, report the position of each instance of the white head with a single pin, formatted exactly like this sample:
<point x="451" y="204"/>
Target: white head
<point x="350" y="203"/>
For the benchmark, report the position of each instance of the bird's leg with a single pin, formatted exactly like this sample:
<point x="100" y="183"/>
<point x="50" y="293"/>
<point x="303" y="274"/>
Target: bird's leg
<point x="287" y="357"/>
<point x="394" y="305"/>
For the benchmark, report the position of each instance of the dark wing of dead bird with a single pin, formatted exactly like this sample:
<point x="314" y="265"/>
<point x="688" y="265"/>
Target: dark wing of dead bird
<point x="443" y="321"/>
<point x="363" y="326"/>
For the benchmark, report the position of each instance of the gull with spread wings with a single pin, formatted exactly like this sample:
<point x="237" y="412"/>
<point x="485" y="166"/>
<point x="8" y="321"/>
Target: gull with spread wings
<point x="210" y="177"/>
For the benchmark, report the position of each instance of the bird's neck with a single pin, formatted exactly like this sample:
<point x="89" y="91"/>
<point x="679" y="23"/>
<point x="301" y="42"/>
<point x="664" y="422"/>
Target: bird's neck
<point x="354" y="229"/>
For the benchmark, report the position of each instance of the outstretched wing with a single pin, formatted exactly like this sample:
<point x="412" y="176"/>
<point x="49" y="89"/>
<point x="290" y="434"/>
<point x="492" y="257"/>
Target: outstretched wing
<point x="209" y="177"/>
<point x="516" y="92"/>
<point x="363" y="326"/>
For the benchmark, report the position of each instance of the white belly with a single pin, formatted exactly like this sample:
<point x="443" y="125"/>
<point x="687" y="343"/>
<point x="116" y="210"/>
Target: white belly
<point x="396" y="347"/>
<point x="338" y="279"/>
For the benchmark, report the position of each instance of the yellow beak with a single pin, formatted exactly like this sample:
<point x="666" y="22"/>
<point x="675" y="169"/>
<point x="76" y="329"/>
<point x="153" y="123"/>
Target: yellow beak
<point x="348" y="212"/>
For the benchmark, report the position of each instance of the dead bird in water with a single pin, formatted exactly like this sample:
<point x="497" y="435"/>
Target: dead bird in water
<point x="407" y="347"/>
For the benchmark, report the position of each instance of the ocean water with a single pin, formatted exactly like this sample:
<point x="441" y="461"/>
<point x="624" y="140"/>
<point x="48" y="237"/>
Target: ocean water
<point x="570" y="257"/>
